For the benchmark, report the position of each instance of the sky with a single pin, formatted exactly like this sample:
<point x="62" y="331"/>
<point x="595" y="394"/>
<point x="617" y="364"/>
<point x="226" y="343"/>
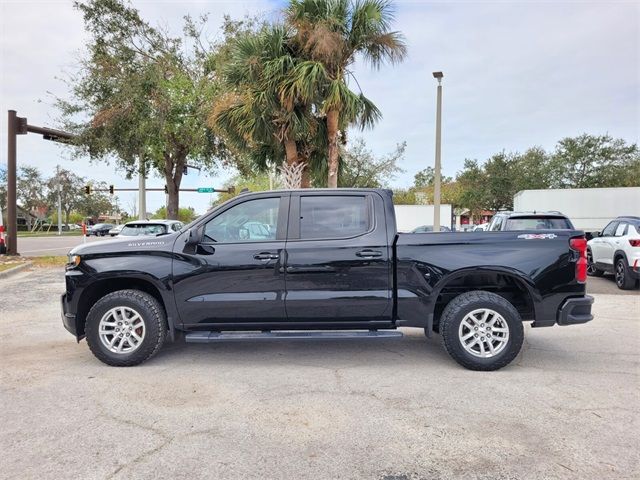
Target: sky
<point x="517" y="74"/>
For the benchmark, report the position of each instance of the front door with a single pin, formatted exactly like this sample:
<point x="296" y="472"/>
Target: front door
<point x="603" y="251"/>
<point x="234" y="274"/>
<point x="338" y="267"/>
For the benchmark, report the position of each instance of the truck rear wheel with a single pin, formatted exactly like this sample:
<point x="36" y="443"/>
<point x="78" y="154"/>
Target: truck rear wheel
<point x="125" y="328"/>
<point x="481" y="330"/>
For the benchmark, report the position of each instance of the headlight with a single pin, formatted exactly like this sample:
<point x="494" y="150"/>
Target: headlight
<point x="73" y="260"/>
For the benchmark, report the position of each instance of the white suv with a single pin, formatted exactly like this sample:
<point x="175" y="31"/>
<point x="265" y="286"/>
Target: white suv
<point x="617" y="250"/>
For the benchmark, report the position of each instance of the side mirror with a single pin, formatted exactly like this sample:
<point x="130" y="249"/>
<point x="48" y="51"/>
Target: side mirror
<point x="194" y="236"/>
<point x="597" y="234"/>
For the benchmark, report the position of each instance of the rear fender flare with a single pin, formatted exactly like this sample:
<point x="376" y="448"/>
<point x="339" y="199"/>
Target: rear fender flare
<point x="517" y="275"/>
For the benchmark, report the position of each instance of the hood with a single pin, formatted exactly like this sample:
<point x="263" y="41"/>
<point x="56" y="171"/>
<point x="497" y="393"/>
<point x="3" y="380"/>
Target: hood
<point x="127" y="244"/>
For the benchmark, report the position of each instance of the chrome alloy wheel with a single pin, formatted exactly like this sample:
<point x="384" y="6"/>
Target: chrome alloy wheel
<point x="121" y="330"/>
<point x="483" y="333"/>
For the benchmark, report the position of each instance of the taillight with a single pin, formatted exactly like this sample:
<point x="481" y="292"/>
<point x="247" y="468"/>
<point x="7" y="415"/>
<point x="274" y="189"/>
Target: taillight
<point x="635" y="242"/>
<point x="579" y="244"/>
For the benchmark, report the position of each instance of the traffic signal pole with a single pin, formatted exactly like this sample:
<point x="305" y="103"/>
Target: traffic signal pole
<point x="18" y="126"/>
<point x="12" y="219"/>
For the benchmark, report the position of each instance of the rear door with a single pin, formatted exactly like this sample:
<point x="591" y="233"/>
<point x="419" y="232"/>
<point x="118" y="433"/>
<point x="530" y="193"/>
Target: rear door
<point x="338" y="262"/>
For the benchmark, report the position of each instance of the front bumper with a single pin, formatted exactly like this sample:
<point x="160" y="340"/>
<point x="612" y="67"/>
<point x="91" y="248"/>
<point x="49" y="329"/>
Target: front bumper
<point x="68" y="319"/>
<point x="575" y="311"/>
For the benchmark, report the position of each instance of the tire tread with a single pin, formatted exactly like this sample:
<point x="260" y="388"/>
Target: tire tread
<point x="145" y="352"/>
<point x="463" y="301"/>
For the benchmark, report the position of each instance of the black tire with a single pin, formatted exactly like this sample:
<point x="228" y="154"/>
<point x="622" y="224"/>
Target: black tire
<point x="623" y="277"/>
<point x="463" y="304"/>
<point x="154" y="319"/>
<point x="592" y="271"/>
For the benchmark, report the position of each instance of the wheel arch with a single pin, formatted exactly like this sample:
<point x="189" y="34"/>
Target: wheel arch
<point x="618" y="254"/>
<point x="98" y="289"/>
<point x="510" y="284"/>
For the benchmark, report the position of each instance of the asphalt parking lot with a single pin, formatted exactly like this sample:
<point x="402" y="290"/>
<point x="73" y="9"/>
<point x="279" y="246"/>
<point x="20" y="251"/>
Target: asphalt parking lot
<point x="386" y="409"/>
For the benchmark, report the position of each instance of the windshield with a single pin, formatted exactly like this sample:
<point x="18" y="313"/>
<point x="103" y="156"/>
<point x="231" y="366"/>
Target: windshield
<point x="538" y="223"/>
<point x="137" y="229"/>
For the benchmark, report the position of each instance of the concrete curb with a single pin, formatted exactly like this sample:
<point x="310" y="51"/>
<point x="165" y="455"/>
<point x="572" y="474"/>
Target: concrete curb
<point x="14" y="270"/>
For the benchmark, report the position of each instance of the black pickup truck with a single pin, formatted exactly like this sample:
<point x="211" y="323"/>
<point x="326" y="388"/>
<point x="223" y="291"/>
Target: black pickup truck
<point x="322" y="264"/>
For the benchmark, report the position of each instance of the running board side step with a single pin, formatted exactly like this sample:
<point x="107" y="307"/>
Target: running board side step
<point x="210" y="337"/>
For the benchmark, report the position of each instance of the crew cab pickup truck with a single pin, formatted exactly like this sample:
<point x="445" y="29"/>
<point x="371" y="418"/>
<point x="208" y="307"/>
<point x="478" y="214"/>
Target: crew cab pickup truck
<point x="322" y="264"/>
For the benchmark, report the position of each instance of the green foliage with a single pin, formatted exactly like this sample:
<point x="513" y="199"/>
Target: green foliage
<point x="254" y="183"/>
<point x="143" y="95"/>
<point x="591" y="161"/>
<point x="586" y="161"/>
<point x="71" y="191"/>
<point x="185" y="215"/>
<point x="426" y="178"/>
<point x="405" y="196"/>
<point x="331" y="35"/>
<point x="362" y="169"/>
<point x="472" y="184"/>
<point x="97" y="203"/>
<point x="260" y="121"/>
<point x="29" y="192"/>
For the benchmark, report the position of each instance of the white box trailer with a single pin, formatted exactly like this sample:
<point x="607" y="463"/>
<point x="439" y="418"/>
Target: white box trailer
<point x="409" y="217"/>
<point x="590" y="209"/>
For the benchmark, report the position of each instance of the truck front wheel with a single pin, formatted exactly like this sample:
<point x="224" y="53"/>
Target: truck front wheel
<point x="125" y="328"/>
<point x="481" y="330"/>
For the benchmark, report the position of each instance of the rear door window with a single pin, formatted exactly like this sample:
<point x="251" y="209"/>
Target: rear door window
<point x="335" y="216"/>
<point x="621" y="230"/>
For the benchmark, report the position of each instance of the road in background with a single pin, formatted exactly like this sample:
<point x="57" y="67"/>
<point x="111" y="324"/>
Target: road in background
<point x="54" y="245"/>
<point x="373" y="409"/>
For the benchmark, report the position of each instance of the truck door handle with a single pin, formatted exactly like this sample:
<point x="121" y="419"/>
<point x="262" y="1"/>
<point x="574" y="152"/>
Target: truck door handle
<point x="368" y="253"/>
<point x="266" y="256"/>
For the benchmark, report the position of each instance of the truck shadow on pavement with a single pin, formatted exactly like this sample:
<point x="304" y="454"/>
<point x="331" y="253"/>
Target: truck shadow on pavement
<point x="409" y="349"/>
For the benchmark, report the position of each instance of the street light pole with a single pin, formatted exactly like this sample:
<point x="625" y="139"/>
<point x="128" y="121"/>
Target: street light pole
<point x="142" y="199"/>
<point x="59" y="202"/>
<point x="437" y="175"/>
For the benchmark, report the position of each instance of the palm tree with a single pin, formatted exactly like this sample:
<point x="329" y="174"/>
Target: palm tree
<point x="331" y="34"/>
<point x="252" y="115"/>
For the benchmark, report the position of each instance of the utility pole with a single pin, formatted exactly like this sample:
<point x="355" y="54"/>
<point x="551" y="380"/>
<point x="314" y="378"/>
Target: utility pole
<point x="59" y="200"/>
<point x="437" y="175"/>
<point x="142" y="200"/>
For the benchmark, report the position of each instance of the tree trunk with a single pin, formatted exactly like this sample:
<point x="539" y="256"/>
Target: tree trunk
<point x="306" y="176"/>
<point x="333" y="152"/>
<point x="291" y="152"/>
<point x="173" y="168"/>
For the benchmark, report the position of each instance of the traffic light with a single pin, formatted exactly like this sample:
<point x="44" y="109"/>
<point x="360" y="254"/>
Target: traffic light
<point x="166" y="189"/>
<point x="87" y="189"/>
<point x="110" y="189"/>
